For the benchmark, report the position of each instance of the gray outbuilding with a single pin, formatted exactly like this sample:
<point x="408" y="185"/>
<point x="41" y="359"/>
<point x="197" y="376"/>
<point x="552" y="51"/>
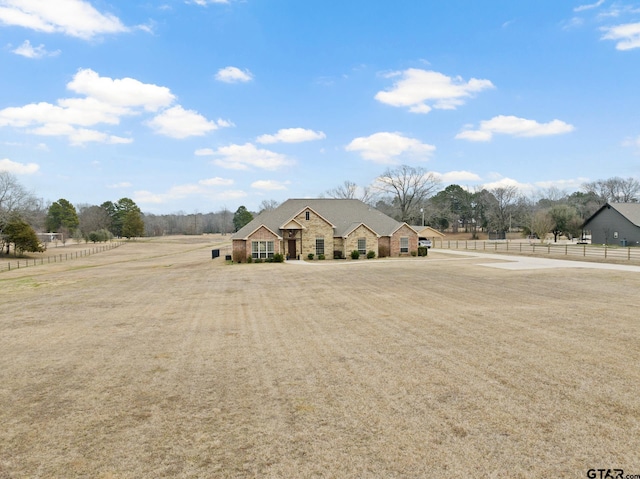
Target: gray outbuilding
<point x="615" y="224"/>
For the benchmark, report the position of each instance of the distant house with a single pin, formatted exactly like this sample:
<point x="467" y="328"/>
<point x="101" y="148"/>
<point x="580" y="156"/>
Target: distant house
<point x="332" y="227"/>
<point x="615" y="224"/>
<point x="427" y="232"/>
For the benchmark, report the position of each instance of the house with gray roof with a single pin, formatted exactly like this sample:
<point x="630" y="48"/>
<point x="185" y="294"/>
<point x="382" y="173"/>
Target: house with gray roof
<point x="615" y="224"/>
<point x="332" y="227"/>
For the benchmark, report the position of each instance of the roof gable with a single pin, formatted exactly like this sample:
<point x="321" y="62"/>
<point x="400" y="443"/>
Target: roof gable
<point x="341" y="214"/>
<point x="630" y="211"/>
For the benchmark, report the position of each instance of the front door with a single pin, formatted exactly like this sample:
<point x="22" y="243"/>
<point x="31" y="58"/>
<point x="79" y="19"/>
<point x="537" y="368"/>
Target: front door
<point x="291" y="249"/>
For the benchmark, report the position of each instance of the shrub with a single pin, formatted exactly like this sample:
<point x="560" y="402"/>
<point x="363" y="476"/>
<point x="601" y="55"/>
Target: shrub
<point x="320" y="256"/>
<point x="355" y="254"/>
<point x="278" y="258"/>
<point x="371" y="254"/>
<point x="310" y="256"/>
<point x="249" y="259"/>
<point x="414" y="253"/>
<point x="423" y="251"/>
<point x="258" y="260"/>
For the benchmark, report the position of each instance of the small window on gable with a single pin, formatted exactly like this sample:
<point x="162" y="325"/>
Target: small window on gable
<point x="306" y="215"/>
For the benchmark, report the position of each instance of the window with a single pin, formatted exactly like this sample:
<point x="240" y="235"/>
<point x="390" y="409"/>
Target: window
<point x="404" y="245"/>
<point x="319" y="246"/>
<point x="362" y="245"/>
<point x="306" y="215"/>
<point x="262" y="249"/>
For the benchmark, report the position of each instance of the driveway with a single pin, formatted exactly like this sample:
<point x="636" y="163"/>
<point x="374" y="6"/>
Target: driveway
<point x="530" y="262"/>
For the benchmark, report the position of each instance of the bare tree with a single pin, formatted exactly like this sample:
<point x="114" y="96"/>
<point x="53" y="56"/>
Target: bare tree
<point x="504" y="209"/>
<point x="541" y="224"/>
<point x="14" y="198"/>
<point x="615" y="189"/>
<point x="93" y="218"/>
<point x="351" y="191"/>
<point x="409" y="187"/>
<point x="268" y="205"/>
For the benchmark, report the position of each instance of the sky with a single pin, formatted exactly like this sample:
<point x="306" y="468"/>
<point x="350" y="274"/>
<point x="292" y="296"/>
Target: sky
<point x="197" y="105"/>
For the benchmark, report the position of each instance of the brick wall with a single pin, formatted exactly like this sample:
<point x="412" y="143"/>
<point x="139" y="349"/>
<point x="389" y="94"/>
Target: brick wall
<point x="404" y="231"/>
<point x="242" y="248"/>
<point x="351" y="243"/>
<point x="239" y="253"/>
<point x="315" y="227"/>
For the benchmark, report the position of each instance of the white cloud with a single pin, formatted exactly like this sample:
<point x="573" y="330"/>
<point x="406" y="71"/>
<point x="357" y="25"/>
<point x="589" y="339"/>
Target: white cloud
<point x="29" y="51"/>
<point x="627" y="35"/>
<point x="422" y="90"/>
<point x="456" y="177"/>
<point x="242" y="157"/>
<point x="233" y="75"/>
<point x="507" y="182"/>
<point x="106" y="101"/>
<point x="123" y="184"/>
<point x="206" y="188"/>
<point x="291" y="135"/>
<point x="571" y="184"/>
<point x="18" y="168"/>
<point x="176" y="122"/>
<point x="217" y="181"/>
<point x="269" y="185"/>
<point x="512" y="125"/>
<point x="386" y="147"/>
<point x="76" y="18"/>
<point x="582" y="8"/>
<point x="123" y="92"/>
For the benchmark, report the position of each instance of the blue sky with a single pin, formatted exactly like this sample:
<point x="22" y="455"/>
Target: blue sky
<point x="197" y="105"/>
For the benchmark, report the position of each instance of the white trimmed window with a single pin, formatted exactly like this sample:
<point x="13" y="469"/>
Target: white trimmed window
<point x="262" y="249"/>
<point x="404" y="245"/>
<point x="362" y="245"/>
<point x="319" y="245"/>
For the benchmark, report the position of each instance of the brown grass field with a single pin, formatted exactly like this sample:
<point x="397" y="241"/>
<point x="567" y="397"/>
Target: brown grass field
<point x="152" y="360"/>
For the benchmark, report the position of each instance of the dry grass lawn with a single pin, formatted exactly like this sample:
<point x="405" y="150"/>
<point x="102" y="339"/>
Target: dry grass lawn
<point x="152" y="360"/>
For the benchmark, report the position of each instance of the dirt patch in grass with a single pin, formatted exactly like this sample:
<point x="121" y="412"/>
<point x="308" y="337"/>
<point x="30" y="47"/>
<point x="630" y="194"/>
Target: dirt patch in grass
<point x="152" y="360"/>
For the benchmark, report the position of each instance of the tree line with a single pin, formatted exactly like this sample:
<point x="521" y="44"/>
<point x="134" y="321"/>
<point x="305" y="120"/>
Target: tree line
<point x="22" y="214"/>
<point x="409" y="194"/>
<point x="414" y="195"/>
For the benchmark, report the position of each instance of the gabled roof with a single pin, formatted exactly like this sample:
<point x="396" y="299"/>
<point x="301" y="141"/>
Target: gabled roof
<point x="426" y="231"/>
<point x="257" y="227"/>
<point x="631" y="211"/>
<point x="341" y="213"/>
<point x="354" y="226"/>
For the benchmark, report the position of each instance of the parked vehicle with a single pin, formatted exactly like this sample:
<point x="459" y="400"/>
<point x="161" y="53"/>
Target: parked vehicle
<point x="423" y="243"/>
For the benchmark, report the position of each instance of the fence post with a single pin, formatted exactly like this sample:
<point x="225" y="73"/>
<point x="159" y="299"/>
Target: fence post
<point x="565" y="250"/>
<point x="629" y="254"/>
<point x="584" y="251"/>
<point x="605" y="251"/>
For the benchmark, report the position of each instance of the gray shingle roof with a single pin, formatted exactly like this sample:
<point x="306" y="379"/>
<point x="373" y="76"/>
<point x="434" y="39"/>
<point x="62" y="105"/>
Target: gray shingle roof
<point x="631" y="211"/>
<point x="341" y="213"/>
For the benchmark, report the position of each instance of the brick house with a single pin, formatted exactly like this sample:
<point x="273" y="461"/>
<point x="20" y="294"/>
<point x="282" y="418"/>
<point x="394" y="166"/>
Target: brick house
<point x="333" y="227"/>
